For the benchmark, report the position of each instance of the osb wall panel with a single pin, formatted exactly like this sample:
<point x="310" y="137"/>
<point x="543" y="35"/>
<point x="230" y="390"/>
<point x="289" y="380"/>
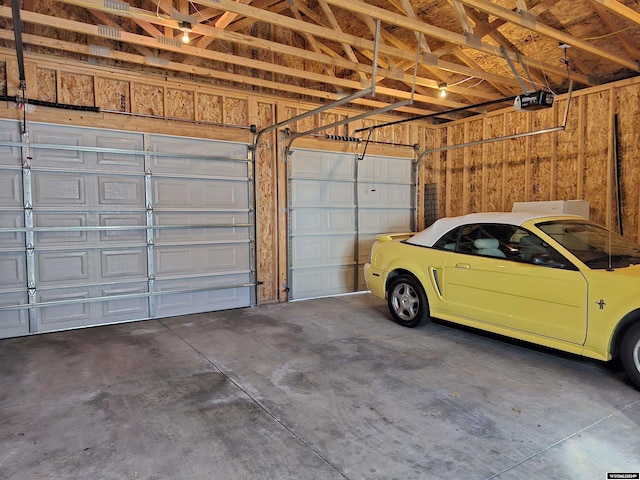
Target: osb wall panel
<point x="495" y="164"/>
<point x="147" y="99"/>
<point x="432" y="171"/>
<point x="112" y="94"/>
<point x="180" y="104"/>
<point x="576" y="163"/>
<point x="47" y="86"/>
<point x="76" y="89"/>
<point x="329" y="118"/>
<point x="401" y="134"/>
<point x="596" y="175"/>
<point x="366" y="123"/>
<point x="541" y="160"/>
<point x="210" y="107"/>
<point x="440" y="165"/>
<point x="516" y="159"/>
<point x="474" y="167"/>
<point x="386" y="134"/>
<point x="306" y="124"/>
<point x="628" y="112"/>
<point x="568" y="144"/>
<point x="3" y="78"/>
<point x="236" y="111"/>
<point x="456" y="172"/>
<point x="267" y="229"/>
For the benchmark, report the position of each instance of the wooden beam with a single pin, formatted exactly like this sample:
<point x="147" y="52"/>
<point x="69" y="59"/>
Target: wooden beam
<point x="613" y="26"/>
<point x="288" y="50"/>
<point x="227" y="17"/>
<point x="221" y="57"/>
<point x="336" y="26"/>
<point x="620" y="9"/>
<point x="521" y="5"/>
<point x="462" y="16"/>
<point x="179" y="67"/>
<point x="471" y="63"/>
<point x="520" y="20"/>
<point x="110" y="23"/>
<point x="444" y="35"/>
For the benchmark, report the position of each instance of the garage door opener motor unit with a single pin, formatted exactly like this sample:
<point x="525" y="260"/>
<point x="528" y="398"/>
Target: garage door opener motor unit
<point x="534" y="100"/>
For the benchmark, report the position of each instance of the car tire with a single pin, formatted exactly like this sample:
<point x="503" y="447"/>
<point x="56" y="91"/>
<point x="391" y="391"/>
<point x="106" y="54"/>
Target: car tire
<point x="630" y="354"/>
<point x="407" y="301"/>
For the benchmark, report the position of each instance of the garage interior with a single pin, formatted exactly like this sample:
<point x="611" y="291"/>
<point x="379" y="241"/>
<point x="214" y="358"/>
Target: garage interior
<point x="200" y="183"/>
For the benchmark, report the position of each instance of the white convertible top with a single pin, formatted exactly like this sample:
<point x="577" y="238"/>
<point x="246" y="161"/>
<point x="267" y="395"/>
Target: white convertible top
<point x="432" y="234"/>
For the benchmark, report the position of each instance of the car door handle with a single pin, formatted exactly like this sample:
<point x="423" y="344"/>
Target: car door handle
<point x="463" y="265"/>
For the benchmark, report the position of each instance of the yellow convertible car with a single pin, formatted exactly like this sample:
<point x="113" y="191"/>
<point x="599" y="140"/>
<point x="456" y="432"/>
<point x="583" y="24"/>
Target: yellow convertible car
<point x="559" y="281"/>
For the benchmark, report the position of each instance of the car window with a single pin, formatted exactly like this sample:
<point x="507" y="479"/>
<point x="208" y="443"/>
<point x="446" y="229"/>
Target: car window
<point x="503" y="241"/>
<point x="448" y="241"/>
<point x="595" y="246"/>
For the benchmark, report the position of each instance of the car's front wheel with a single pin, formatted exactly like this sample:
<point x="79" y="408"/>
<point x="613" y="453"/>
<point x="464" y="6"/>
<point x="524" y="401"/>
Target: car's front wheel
<point x="407" y="301"/>
<point x="630" y="354"/>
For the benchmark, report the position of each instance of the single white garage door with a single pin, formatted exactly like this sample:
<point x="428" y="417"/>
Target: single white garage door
<point x="100" y="226"/>
<point x="337" y="205"/>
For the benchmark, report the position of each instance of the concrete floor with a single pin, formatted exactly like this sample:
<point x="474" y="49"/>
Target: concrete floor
<point x="322" y="389"/>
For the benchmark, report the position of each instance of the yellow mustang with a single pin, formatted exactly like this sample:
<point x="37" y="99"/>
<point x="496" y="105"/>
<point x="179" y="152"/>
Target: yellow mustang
<point x="554" y="280"/>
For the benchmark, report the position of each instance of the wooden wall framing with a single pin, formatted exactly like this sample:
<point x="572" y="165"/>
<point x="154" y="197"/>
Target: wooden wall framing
<point x="145" y="102"/>
<point x="577" y="163"/>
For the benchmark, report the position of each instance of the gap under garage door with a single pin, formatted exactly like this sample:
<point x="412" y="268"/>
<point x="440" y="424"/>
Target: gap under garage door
<point x="108" y="226"/>
<point x="337" y="205"/>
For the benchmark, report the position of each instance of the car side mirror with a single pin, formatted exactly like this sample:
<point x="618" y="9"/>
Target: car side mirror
<point x="546" y="260"/>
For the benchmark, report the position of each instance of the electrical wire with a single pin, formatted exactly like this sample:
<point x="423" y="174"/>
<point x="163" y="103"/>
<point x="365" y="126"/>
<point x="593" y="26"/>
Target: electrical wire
<point x="607" y="34"/>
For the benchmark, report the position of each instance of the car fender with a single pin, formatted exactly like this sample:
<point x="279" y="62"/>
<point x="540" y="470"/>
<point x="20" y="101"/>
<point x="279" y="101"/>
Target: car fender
<point x="612" y="341"/>
<point x="427" y="276"/>
<point x="610" y="314"/>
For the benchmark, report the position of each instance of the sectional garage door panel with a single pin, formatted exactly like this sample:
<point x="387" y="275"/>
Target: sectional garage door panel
<point x="121" y="226"/>
<point x="198" y="194"/>
<point x="337" y="205"/>
<point x="13" y="264"/>
<point x="74" y="264"/>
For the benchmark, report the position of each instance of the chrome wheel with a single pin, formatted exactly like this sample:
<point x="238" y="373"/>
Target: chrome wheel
<point x="405" y="302"/>
<point x="630" y="354"/>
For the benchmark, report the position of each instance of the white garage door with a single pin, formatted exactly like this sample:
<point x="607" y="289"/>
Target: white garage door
<point x="108" y="226"/>
<point x="337" y="205"/>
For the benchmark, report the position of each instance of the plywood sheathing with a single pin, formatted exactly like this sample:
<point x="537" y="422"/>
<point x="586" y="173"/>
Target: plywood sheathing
<point x="456" y="171"/>
<point x="566" y="169"/>
<point x="180" y="104"/>
<point x="47" y="85"/>
<point x="210" y="107"/>
<point x="112" y="94"/>
<point x="474" y="166"/>
<point x="3" y="78"/>
<point x="597" y="174"/>
<point x="628" y="109"/>
<point x="516" y="157"/>
<point x="147" y="99"/>
<point x="541" y="157"/>
<point x="267" y="215"/>
<point x="496" y="164"/>
<point x="440" y="161"/>
<point x="76" y="89"/>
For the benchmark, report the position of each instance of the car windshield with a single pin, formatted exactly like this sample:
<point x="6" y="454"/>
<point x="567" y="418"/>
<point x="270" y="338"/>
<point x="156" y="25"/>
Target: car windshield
<point x="594" y="245"/>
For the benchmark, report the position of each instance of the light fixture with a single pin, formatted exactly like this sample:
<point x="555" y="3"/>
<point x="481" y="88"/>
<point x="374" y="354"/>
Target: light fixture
<point x="185" y="28"/>
<point x="443" y="89"/>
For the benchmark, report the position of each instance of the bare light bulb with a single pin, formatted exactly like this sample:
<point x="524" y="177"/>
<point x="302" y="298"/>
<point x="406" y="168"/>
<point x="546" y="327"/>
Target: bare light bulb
<point x="185" y="28"/>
